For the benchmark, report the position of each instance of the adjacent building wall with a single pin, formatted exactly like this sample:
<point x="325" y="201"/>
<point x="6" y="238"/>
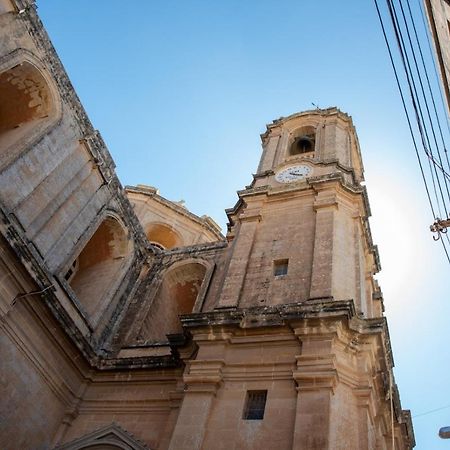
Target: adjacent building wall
<point x="438" y="12"/>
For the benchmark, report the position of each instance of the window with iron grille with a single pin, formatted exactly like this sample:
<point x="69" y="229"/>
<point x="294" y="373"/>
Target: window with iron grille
<point x="280" y="267"/>
<point x="255" y="405"/>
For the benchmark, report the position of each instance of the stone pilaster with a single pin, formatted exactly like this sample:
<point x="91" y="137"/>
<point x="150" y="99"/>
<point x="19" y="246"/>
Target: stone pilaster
<point x="240" y="256"/>
<point x="270" y="147"/>
<point x="316" y="379"/>
<point x="325" y="206"/>
<point x="202" y="380"/>
<point x="366" y="437"/>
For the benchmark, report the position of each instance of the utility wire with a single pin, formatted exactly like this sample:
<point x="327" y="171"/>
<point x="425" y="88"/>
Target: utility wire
<point x="428" y="79"/>
<point x="422" y="125"/>
<point x="412" y="84"/>
<point x="439" y="84"/>
<point x="426" y="103"/>
<point x="431" y="411"/>
<point x="420" y="103"/>
<point x="413" y="93"/>
<point x="404" y="107"/>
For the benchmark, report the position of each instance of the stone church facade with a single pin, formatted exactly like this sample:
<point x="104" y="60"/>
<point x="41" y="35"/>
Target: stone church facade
<point x="128" y="322"/>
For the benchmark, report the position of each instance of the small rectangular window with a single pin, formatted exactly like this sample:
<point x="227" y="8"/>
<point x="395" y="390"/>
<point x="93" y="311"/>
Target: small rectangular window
<point x="72" y="271"/>
<point x="255" y="405"/>
<point x="280" y="267"/>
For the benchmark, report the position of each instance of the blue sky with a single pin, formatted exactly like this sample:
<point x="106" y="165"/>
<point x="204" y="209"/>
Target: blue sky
<point x="181" y="90"/>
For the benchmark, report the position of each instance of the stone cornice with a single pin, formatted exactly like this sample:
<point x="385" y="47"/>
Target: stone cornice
<point x="332" y="111"/>
<point x="195" y="249"/>
<point x="270" y="315"/>
<point x="287" y="315"/>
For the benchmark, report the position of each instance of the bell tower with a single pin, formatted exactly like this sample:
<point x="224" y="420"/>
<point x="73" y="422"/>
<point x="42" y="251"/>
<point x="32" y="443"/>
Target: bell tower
<point x="300" y="231"/>
<point x="124" y="312"/>
<point x="292" y="334"/>
<point x="324" y="138"/>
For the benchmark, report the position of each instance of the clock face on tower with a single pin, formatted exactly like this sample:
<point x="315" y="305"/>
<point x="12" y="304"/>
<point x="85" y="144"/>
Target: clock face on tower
<point x="293" y="173"/>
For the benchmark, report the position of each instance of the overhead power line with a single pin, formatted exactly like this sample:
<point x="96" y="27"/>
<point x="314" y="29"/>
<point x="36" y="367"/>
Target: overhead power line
<point x="418" y="100"/>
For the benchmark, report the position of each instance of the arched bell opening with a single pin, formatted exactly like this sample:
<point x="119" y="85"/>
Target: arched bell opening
<point x="99" y="267"/>
<point x="27" y="107"/>
<point x="304" y="141"/>
<point x="177" y="295"/>
<point x="163" y="236"/>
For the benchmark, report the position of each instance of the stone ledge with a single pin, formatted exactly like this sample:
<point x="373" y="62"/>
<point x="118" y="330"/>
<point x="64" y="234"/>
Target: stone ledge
<point x="271" y="315"/>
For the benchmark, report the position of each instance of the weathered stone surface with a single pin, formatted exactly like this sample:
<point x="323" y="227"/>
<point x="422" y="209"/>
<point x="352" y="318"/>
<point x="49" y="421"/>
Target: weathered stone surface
<point x="121" y="307"/>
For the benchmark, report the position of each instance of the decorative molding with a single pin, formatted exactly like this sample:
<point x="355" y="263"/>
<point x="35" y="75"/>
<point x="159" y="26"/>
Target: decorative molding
<point x="111" y="436"/>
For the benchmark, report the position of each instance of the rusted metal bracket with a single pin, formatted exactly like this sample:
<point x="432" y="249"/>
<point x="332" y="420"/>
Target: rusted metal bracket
<point x="439" y="227"/>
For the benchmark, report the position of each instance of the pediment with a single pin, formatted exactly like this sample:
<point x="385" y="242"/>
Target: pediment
<point x="111" y="437"/>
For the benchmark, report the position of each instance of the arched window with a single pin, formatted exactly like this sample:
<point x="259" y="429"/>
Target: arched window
<point x="304" y="142"/>
<point x="177" y="295"/>
<point x="27" y="107"/>
<point x="98" y="267"/>
<point x="163" y="235"/>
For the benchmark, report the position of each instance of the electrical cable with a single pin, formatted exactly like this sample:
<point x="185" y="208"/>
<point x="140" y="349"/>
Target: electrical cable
<point x="443" y="103"/>
<point x="431" y="411"/>
<point x="404" y="107"/>
<point x="414" y="95"/>
<point x="415" y="100"/>
<point x="426" y="103"/>
<point x="427" y="77"/>
<point x="411" y="83"/>
<point x="445" y="249"/>
<point x="28" y="294"/>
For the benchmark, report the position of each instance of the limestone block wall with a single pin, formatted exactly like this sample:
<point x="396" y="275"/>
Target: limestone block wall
<point x="322" y="376"/>
<point x="286" y="231"/>
<point x="145" y="403"/>
<point x="438" y="12"/>
<point x="58" y="186"/>
<point x="49" y="181"/>
<point x="344" y="254"/>
<point x="56" y="175"/>
<point x="217" y="381"/>
<point x="318" y="231"/>
<point x="41" y="369"/>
